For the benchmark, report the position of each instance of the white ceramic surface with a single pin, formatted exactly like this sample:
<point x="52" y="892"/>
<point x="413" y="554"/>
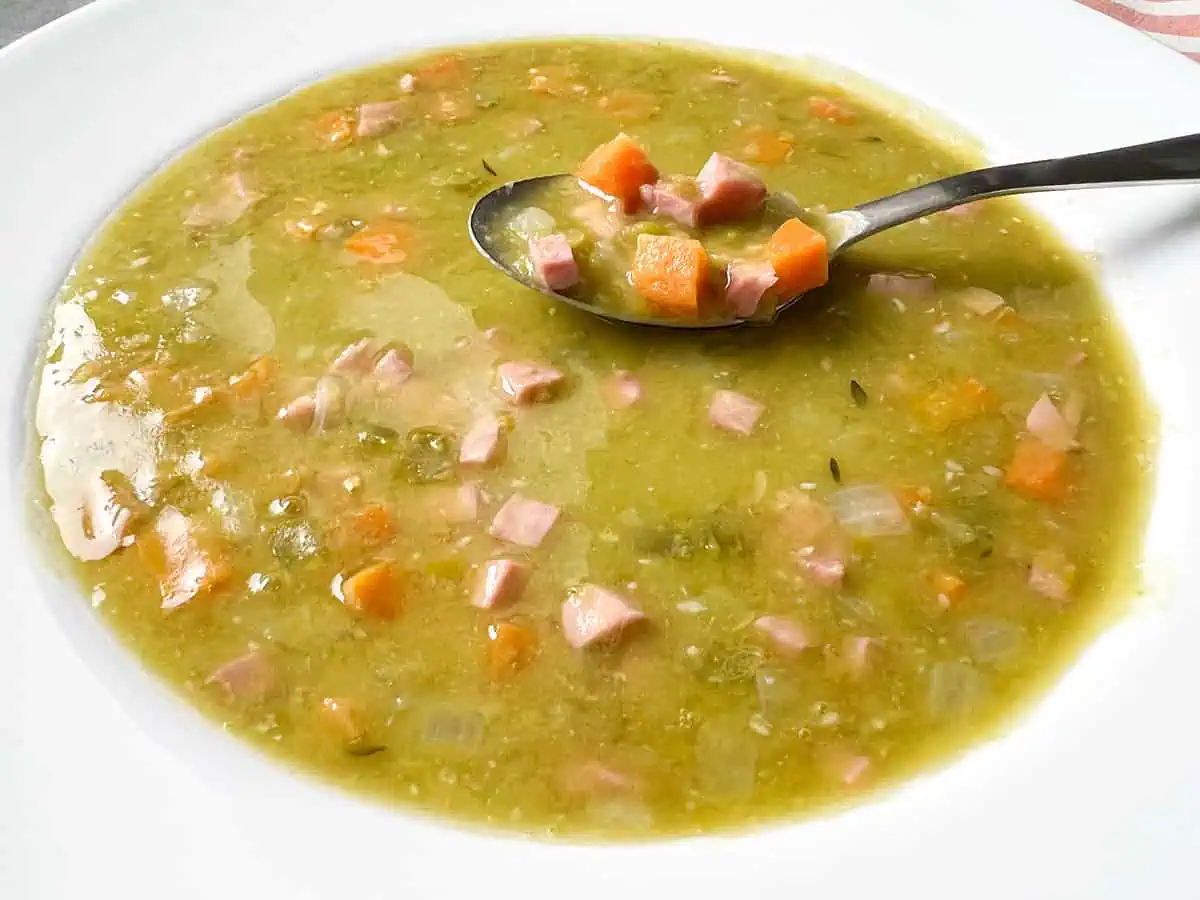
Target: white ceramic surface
<point x="110" y="787"/>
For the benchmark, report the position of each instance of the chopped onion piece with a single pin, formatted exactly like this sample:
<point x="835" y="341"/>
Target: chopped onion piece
<point x="330" y="409"/>
<point x="869" y="510"/>
<point x="910" y="287"/>
<point x="981" y="301"/>
<point x="532" y="222"/>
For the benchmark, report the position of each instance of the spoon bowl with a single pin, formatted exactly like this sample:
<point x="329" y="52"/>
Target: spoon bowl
<point x="1171" y="160"/>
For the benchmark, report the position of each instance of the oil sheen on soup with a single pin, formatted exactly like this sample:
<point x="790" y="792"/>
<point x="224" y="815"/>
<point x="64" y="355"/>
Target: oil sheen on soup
<point x="403" y="522"/>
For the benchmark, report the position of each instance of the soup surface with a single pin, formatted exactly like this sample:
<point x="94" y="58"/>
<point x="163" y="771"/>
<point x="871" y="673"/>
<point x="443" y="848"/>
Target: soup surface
<point x="398" y="518"/>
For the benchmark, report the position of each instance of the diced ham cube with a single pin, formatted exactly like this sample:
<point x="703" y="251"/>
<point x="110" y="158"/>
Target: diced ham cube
<point x="483" y="443"/>
<point x="501" y="583"/>
<point x="524" y="521"/>
<point x="734" y="412"/>
<point x="553" y="261"/>
<point x="844" y="766"/>
<point x="590" y="777"/>
<point x="823" y="569"/>
<point x="621" y="390"/>
<point x="807" y="531"/>
<point x="746" y="283"/>
<point x="666" y="199"/>
<point x="1051" y="427"/>
<point x="855" y="655"/>
<point x="299" y="413"/>
<point x="233" y="200"/>
<point x="592" y="614"/>
<point x="787" y="636"/>
<point x="393" y="368"/>
<point x="1052" y="575"/>
<point x="375" y="119"/>
<point x="356" y="359"/>
<point x="728" y="190"/>
<point x="455" y="505"/>
<point x="249" y="678"/>
<point x="526" y="382"/>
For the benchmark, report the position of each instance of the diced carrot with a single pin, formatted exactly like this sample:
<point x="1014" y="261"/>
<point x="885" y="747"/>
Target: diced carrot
<point x="954" y="404"/>
<point x="257" y="377"/>
<point x="628" y="105"/>
<point x="914" y="496"/>
<point x="450" y="70"/>
<point x="949" y="587"/>
<point x="1037" y="471"/>
<point x="335" y="129"/>
<point x="799" y="255"/>
<point x="555" y="80"/>
<point x="343" y="718"/>
<point x="764" y="145"/>
<point x="382" y="243"/>
<point x="510" y="648"/>
<point x="373" y="525"/>
<point x="372" y="592"/>
<point x="831" y="110"/>
<point x="670" y="273"/>
<point x="619" y="169"/>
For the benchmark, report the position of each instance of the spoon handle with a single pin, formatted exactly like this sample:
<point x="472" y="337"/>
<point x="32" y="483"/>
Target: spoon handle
<point x="1176" y="159"/>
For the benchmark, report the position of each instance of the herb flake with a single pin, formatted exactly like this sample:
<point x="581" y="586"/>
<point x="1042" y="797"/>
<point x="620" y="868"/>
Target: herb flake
<point x="488" y="167"/>
<point x="857" y="392"/>
<point x="835" y="470"/>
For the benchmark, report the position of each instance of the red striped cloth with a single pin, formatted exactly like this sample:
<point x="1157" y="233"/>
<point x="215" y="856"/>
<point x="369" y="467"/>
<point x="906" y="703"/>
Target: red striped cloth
<point x="1175" y="23"/>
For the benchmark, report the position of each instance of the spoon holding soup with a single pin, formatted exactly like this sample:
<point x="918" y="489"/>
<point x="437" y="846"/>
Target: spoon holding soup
<point x="718" y="250"/>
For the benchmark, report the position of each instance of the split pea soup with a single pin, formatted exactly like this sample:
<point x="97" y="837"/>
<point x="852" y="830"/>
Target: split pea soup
<point x="405" y="524"/>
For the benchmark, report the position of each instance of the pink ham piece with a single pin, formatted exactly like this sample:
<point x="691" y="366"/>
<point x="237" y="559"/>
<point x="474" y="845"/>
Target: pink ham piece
<point x="786" y="635"/>
<point x="1053" y="428"/>
<point x="589" y="777"/>
<point x="375" y="119"/>
<point x="592" y="614"/>
<point x="501" y="583"/>
<point x="553" y="261"/>
<point x="523" y="521"/>
<point x="356" y="359"/>
<point x="1052" y="576"/>
<point x="807" y="531"/>
<point x="525" y="382"/>
<point x="731" y="411"/>
<point x="234" y="199"/>
<point x="728" y="190"/>
<point x="621" y="390"/>
<point x="299" y="413"/>
<point x="249" y="678"/>
<point x="854" y="657"/>
<point x="823" y="569"/>
<point x="902" y="286"/>
<point x="746" y="282"/>
<point x="845" y="767"/>
<point x="666" y="199"/>
<point x="483" y="443"/>
<point x="393" y="368"/>
<point x="455" y="505"/>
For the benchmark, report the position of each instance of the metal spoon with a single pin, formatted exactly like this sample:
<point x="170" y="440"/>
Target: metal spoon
<point x="1176" y="159"/>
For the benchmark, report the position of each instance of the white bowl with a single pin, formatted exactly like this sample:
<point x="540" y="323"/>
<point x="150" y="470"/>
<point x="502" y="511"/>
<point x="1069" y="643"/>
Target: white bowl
<point x="112" y="787"/>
